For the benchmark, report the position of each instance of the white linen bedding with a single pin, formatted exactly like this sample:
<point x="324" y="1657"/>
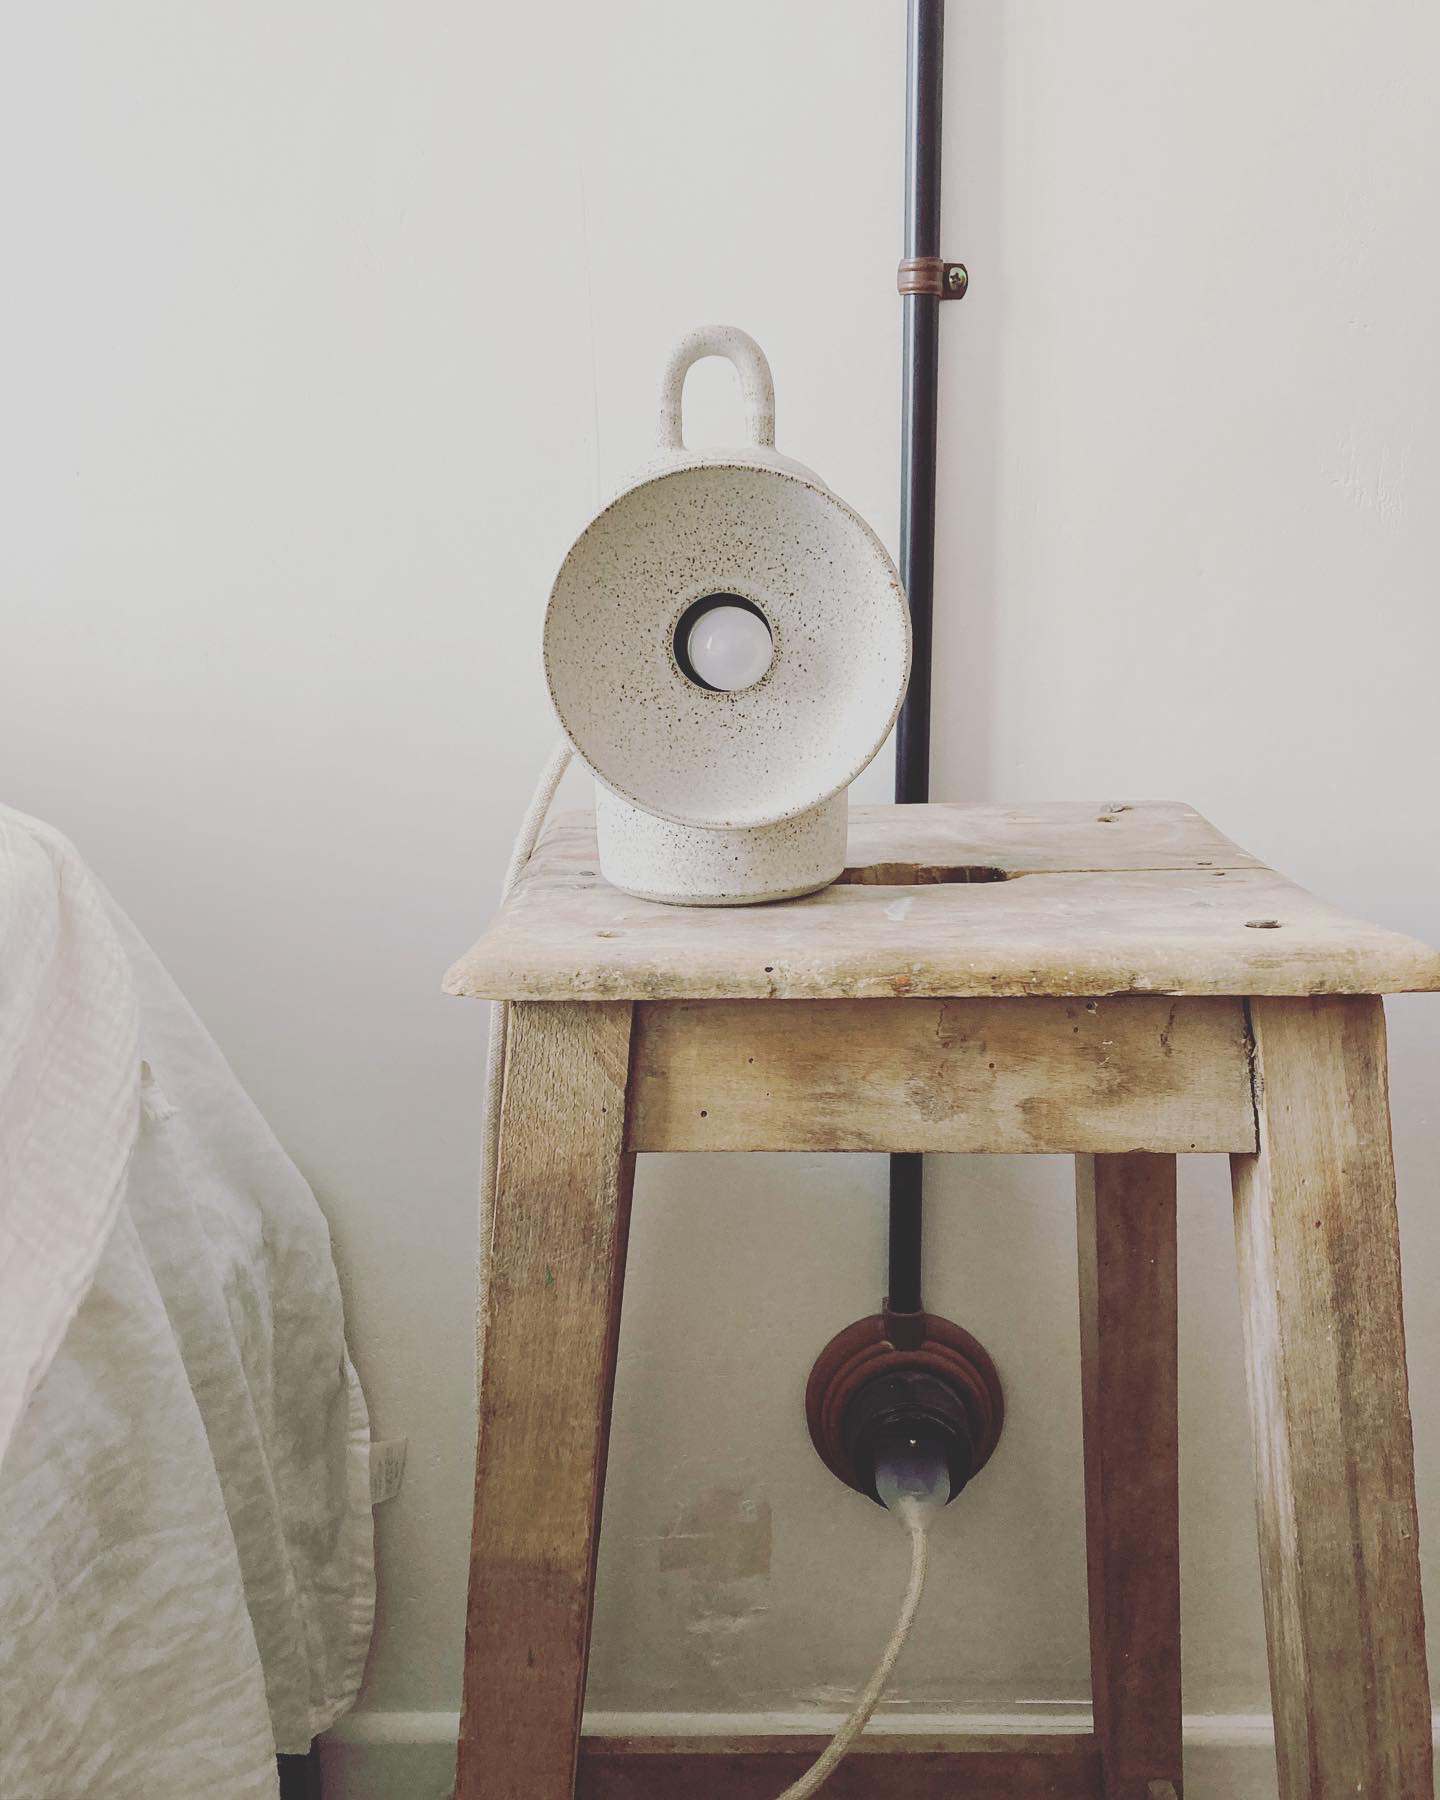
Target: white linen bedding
<point x="186" y="1552"/>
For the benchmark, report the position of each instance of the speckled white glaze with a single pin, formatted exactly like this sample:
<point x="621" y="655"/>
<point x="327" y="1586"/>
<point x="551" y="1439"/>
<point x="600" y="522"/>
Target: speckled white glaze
<point x="686" y="865"/>
<point x="725" y="767"/>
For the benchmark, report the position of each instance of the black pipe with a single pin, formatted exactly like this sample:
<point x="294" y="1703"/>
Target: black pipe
<point x="907" y="1172"/>
<point x="920" y="380"/>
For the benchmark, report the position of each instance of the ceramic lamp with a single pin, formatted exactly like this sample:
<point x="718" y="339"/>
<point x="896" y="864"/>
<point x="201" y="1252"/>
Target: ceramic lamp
<point x="726" y="646"/>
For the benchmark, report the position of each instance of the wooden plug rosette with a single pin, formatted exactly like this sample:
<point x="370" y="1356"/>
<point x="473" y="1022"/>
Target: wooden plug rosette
<point x="893" y="1344"/>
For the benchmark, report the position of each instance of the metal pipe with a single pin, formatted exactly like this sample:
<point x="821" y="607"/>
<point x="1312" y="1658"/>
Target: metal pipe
<point x="906" y="1220"/>
<point x="920" y="379"/>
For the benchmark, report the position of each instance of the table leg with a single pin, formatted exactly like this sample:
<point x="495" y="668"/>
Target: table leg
<point x="552" y="1306"/>
<point x="1128" y="1357"/>
<point x="1319" y="1258"/>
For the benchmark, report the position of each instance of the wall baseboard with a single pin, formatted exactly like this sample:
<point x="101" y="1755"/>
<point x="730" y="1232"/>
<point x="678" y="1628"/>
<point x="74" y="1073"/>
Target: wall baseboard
<point x="411" y="1755"/>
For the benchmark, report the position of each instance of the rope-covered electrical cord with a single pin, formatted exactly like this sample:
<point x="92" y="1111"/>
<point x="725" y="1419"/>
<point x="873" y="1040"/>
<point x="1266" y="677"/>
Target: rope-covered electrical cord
<point x="525" y="840"/>
<point x="917" y="1518"/>
<point x="915" y="1515"/>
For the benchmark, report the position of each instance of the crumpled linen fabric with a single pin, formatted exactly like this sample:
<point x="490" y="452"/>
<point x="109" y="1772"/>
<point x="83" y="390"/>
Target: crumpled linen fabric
<point x="186" y="1541"/>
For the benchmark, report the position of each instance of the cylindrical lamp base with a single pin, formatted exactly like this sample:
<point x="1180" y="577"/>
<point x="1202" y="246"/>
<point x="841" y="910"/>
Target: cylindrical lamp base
<point x="692" y="865"/>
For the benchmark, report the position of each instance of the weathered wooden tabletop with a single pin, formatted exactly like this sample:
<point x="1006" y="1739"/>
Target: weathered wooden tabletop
<point x="1064" y="898"/>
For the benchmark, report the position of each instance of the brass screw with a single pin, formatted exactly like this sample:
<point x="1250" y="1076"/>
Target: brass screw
<point x="957" y="278"/>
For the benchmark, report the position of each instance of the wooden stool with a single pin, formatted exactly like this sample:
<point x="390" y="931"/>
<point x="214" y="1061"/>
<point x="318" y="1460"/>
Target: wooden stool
<point x="1120" y="982"/>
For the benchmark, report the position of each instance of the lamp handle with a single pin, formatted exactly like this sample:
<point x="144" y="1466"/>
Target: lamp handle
<point x="748" y="360"/>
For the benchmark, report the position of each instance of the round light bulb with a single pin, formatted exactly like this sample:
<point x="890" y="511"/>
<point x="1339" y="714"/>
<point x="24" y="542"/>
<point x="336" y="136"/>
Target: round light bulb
<point x="730" y="648"/>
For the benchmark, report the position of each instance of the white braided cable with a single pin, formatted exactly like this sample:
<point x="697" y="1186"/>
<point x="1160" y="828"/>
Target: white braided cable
<point x="525" y="840"/>
<point x="918" y="1519"/>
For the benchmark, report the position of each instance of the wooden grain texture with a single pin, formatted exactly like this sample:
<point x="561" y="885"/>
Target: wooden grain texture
<point x="1129" y="1373"/>
<point x="1097" y="900"/>
<point x="1052" y="837"/>
<point x="1318" y="1246"/>
<point x="957" y="1075"/>
<point x="881" y="1767"/>
<point x="556" y="1269"/>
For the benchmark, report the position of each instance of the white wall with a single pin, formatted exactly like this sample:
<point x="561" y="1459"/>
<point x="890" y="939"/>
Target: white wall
<point x="323" y="326"/>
